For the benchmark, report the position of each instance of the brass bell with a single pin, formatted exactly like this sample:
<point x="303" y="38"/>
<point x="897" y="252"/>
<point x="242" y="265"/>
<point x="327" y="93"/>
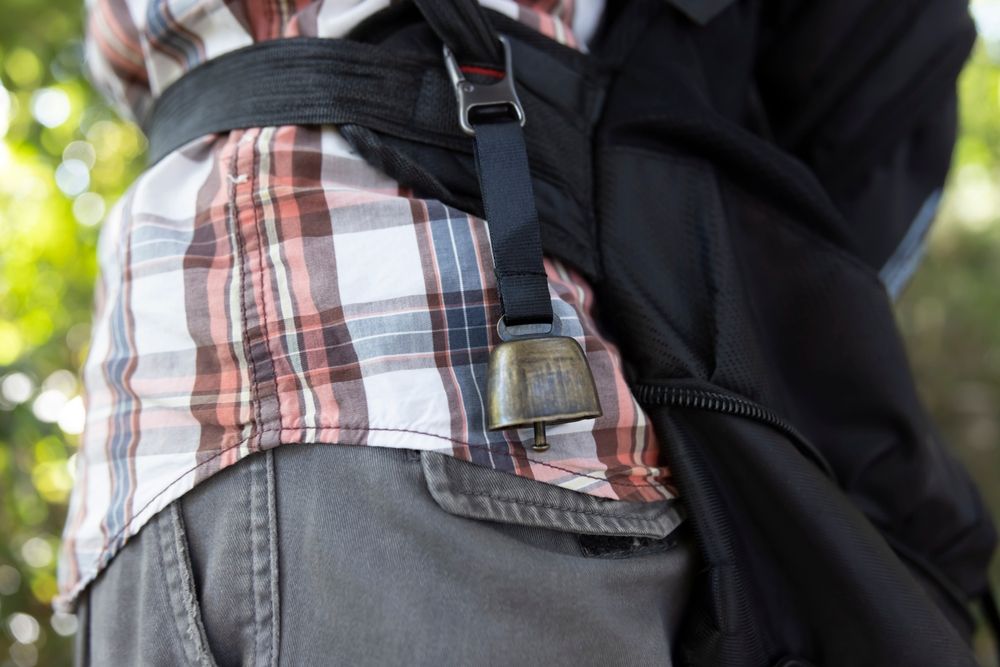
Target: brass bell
<point x="540" y="380"/>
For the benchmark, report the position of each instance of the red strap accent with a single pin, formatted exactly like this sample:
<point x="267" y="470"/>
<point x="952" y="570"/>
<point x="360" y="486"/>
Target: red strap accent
<point x="485" y="71"/>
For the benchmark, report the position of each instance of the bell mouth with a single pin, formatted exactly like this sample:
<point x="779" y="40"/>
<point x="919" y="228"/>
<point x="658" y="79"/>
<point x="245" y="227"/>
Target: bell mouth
<point x="548" y="420"/>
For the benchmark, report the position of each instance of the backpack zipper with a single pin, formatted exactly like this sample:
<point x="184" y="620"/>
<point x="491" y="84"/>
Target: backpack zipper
<point x="715" y="400"/>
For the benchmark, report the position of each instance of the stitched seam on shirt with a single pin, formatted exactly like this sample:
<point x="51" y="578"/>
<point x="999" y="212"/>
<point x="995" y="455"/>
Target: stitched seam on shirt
<point x="255" y="203"/>
<point x="272" y="543"/>
<point x="245" y="328"/>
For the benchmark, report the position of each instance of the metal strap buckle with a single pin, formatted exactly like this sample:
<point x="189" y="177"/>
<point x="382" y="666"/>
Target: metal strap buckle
<point x="478" y="95"/>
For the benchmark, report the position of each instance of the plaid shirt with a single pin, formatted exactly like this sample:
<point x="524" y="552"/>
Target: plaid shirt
<point x="269" y="287"/>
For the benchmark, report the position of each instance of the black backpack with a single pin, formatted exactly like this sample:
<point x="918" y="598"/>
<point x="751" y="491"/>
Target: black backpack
<point x="740" y="181"/>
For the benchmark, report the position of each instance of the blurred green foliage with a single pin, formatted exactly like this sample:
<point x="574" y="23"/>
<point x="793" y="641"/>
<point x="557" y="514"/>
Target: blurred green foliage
<point x="64" y="157"/>
<point x="49" y="215"/>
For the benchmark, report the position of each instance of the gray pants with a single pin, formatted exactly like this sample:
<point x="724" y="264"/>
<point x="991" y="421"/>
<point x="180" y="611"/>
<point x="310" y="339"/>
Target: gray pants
<point x="338" y="555"/>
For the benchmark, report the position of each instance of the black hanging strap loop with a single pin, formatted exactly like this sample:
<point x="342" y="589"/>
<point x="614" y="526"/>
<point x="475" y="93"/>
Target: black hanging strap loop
<point x="509" y="204"/>
<point x="492" y="114"/>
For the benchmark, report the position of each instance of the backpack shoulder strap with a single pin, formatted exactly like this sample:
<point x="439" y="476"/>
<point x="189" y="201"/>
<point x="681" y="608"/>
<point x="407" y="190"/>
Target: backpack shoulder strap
<point x="462" y="25"/>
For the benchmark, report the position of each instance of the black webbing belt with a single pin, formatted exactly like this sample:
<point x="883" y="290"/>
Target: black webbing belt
<point x="311" y="81"/>
<point x="307" y="81"/>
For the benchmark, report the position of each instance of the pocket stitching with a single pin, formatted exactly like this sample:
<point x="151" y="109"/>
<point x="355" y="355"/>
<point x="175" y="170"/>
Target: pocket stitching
<point x="525" y="503"/>
<point x="184" y="603"/>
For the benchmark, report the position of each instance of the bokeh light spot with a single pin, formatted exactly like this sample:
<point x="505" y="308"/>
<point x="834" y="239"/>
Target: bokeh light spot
<point x="82" y="151"/>
<point x="72" y="177"/>
<point x="78" y="335"/>
<point x="48" y="406"/>
<point x="43" y="586"/>
<point x="23" y="627"/>
<point x="11" y="343"/>
<point x="88" y="208"/>
<point x="50" y="107"/>
<point x="53" y="481"/>
<point x="37" y="553"/>
<point x="64" y="624"/>
<point x="10" y="580"/>
<point x="73" y="416"/>
<point x="5" y="111"/>
<point x="17" y="388"/>
<point x="23" y="67"/>
<point x="64" y="381"/>
<point x="975" y="197"/>
<point x="24" y="655"/>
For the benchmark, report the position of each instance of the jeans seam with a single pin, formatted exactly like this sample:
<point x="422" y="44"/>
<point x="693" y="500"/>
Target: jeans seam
<point x="272" y="514"/>
<point x="254" y="566"/>
<point x="263" y="533"/>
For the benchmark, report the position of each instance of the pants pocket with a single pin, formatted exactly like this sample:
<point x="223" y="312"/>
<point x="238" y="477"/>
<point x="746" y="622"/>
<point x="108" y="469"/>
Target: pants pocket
<point x="393" y="556"/>
<point x="143" y="610"/>
<point x="605" y="528"/>
<point x="231" y="539"/>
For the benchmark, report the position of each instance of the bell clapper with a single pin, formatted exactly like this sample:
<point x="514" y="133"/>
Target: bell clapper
<point x="541" y="444"/>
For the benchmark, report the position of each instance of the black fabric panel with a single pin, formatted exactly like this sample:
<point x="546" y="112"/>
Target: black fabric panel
<point x="864" y="92"/>
<point x="820" y="558"/>
<point x="830" y="340"/>
<point x="680" y="280"/>
<point x="883" y="202"/>
<point x="701" y="11"/>
<point x="663" y="101"/>
<point x="723" y="624"/>
<point x="796" y="324"/>
<point x="724" y="260"/>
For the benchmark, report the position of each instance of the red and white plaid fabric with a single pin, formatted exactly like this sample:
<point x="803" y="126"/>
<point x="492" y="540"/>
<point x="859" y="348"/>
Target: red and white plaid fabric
<point x="268" y="287"/>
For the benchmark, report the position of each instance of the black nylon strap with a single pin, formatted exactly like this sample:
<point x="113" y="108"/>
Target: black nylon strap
<point x="462" y="25"/>
<point x="509" y="203"/>
<point x="307" y="81"/>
